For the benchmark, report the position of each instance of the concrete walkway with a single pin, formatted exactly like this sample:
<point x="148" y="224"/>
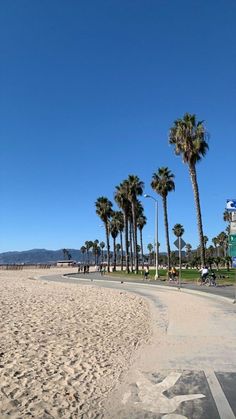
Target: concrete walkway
<point x="188" y="370"/>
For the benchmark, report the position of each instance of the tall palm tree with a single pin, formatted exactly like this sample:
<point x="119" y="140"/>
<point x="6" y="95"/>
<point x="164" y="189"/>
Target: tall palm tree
<point x="135" y="189"/>
<point x="121" y="198"/>
<point x="178" y="231"/>
<point x="120" y="225"/>
<point x="88" y="246"/>
<point x="141" y="222"/>
<point x="104" y="211"/>
<point x="102" y="246"/>
<point x="163" y="183"/>
<point x="114" y="230"/>
<point x="96" y="251"/>
<point x="118" y="249"/>
<point x="190" y="140"/>
<point x="206" y="240"/>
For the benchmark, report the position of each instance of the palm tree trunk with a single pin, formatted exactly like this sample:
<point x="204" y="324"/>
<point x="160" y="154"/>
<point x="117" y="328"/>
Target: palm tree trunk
<point x="131" y="246"/>
<point x="114" y="254"/>
<point x="126" y="242"/>
<point x="135" y="238"/>
<point x="121" y="245"/>
<point x="193" y="175"/>
<point x="108" y="247"/>
<point x="141" y="245"/>
<point x="164" y="201"/>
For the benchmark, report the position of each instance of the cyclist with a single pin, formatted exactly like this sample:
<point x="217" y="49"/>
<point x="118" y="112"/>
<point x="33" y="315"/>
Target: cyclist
<point x="204" y="273"/>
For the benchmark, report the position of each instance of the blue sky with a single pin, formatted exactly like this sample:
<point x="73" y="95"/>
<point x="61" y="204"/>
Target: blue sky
<point x="89" y="91"/>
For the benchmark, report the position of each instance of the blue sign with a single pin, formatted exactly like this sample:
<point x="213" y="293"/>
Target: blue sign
<point x="231" y="205"/>
<point x="234" y="262"/>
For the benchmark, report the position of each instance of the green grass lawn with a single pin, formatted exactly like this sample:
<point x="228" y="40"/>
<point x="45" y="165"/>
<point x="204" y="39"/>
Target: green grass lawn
<point x="188" y="275"/>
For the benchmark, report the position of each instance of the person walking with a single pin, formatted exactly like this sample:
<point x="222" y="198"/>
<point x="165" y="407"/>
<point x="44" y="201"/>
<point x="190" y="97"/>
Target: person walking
<point x="146" y="272"/>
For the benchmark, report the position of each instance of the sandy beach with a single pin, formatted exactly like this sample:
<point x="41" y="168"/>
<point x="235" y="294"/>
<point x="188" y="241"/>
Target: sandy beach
<point x="64" y="347"/>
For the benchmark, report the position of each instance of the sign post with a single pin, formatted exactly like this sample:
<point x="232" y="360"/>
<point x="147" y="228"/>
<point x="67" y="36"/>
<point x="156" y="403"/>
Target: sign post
<point x="180" y="244"/>
<point x="231" y="208"/>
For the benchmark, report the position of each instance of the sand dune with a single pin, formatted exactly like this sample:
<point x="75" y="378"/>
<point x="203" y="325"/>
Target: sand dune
<point x="63" y="347"/>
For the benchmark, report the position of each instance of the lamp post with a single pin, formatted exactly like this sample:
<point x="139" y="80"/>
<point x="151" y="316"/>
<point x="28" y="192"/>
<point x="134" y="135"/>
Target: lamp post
<point x="156" y="233"/>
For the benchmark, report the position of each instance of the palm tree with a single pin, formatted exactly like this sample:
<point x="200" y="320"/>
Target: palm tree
<point x="121" y="198"/>
<point x="83" y="250"/>
<point x="114" y="233"/>
<point x="188" y="248"/>
<point x="163" y="183"/>
<point x="223" y="240"/>
<point x="215" y="241"/>
<point x="88" y="246"/>
<point x="150" y="249"/>
<point x="141" y="222"/>
<point x="211" y="251"/>
<point x="135" y="189"/>
<point x="205" y="239"/>
<point x="190" y="140"/>
<point x="66" y="254"/>
<point x="102" y="245"/>
<point x="120" y="226"/>
<point x="96" y="250"/>
<point x="178" y="231"/>
<point x="104" y="211"/>
<point x="118" y="249"/>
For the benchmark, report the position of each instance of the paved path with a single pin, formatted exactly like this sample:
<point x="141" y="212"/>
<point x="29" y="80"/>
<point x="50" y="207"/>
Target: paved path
<point x="223" y="290"/>
<point x="188" y="370"/>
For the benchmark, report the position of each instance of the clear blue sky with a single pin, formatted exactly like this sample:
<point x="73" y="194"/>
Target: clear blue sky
<point x="88" y="92"/>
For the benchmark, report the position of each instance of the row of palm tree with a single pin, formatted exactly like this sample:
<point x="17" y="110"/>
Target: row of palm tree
<point x="129" y="219"/>
<point x="96" y="248"/>
<point x="189" y="138"/>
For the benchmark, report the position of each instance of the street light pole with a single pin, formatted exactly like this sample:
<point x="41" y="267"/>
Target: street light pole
<point x="156" y="234"/>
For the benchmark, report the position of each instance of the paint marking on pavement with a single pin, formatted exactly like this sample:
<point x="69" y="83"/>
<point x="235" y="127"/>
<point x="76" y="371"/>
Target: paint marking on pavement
<point x="221" y="401"/>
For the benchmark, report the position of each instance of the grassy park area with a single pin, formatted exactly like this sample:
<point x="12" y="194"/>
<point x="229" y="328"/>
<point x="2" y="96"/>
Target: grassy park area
<point x="188" y="275"/>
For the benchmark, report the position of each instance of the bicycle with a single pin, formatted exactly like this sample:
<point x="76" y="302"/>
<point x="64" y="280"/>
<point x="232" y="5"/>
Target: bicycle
<point x="210" y="280"/>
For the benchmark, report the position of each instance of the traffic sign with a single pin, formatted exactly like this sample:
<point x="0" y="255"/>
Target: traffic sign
<point x="233" y="227"/>
<point x="232" y="250"/>
<point x="179" y="243"/>
<point x="231" y="205"/>
<point x="232" y="238"/>
<point x="234" y="262"/>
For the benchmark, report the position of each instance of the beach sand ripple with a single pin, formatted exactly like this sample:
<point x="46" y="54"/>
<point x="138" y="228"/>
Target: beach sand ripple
<point x="63" y="347"/>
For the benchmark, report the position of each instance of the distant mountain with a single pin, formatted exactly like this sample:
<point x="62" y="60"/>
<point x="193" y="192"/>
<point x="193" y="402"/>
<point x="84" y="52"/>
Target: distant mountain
<point x="38" y="256"/>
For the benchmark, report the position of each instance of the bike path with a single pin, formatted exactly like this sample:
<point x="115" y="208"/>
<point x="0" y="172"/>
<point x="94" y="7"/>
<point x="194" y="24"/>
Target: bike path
<point x="200" y="386"/>
<point x="228" y="291"/>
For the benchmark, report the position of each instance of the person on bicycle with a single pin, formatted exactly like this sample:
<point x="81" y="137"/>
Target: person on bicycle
<point x="173" y="274"/>
<point x="204" y="273"/>
<point x="212" y="278"/>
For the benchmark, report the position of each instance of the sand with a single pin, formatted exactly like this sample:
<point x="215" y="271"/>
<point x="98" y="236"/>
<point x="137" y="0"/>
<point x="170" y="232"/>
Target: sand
<point x="64" y="347"/>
